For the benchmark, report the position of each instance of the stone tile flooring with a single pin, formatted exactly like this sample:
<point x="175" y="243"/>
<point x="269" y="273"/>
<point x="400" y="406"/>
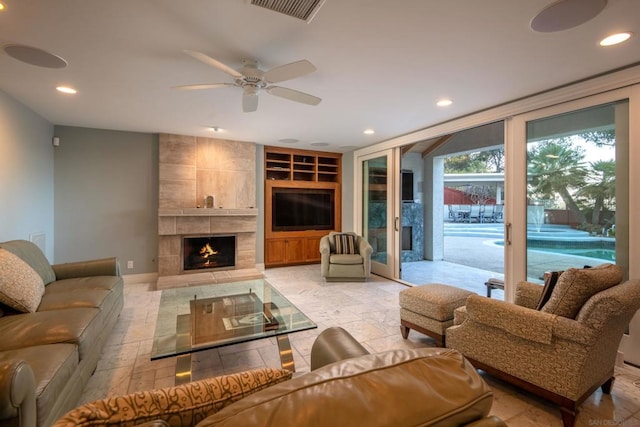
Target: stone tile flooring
<point x="369" y="311"/>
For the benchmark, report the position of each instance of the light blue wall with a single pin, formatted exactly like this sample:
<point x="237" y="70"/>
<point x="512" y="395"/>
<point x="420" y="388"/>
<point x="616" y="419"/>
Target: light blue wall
<point x="106" y="197"/>
<point x="26" y="174"/>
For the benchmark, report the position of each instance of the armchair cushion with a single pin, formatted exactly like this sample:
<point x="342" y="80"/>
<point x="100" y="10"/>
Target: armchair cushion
<point x="575" y="286"/>
<point x="345" y="244"/>
<point x="182" y="405"/>
<point x="21" y="287"/>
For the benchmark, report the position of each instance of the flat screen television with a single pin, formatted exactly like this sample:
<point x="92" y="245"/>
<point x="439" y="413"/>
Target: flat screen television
<point x="296" y="209"/>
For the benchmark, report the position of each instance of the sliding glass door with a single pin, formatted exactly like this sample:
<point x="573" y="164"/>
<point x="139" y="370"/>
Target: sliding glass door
<point x="379" y="220"/>
<point x="568" y="179"/>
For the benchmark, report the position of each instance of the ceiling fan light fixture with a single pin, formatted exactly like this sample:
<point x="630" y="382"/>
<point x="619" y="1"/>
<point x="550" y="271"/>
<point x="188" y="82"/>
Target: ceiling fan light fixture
<point x="616" y="38"/>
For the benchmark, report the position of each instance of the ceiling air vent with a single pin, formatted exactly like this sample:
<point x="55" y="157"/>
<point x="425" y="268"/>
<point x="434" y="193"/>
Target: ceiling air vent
<point x="301" y="9"/>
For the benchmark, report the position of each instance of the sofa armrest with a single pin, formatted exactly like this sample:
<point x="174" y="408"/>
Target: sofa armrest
<point x="17" y="393"/>
<point x="97" y="267"/>
<point x="186" y="404"/>
<point x="528" y="294"/>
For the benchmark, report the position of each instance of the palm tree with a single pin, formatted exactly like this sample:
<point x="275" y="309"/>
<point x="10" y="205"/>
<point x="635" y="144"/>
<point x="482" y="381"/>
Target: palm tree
<point x="602" y="189"/>
<point x="556" y="168"/>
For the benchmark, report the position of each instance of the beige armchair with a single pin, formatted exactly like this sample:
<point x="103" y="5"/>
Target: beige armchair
<point x="344" y="262"/>
<point x="561" y="358"/>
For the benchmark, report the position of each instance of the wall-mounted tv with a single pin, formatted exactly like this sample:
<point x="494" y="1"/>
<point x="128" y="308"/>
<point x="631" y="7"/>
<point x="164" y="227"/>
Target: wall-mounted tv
<point x="296" y="209"/>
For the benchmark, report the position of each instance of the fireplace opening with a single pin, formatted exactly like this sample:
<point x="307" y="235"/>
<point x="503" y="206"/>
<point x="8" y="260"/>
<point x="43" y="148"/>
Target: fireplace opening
<point x="211" y="252"/>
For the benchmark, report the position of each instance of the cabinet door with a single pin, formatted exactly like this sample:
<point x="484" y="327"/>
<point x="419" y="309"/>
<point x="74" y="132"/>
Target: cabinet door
<point x="295" y="250"/>
<point x="312" y="248"/>
<point x="275" y="251"/>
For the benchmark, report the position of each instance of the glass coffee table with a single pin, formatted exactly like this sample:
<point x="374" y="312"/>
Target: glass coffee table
<point x="199" y="318"/>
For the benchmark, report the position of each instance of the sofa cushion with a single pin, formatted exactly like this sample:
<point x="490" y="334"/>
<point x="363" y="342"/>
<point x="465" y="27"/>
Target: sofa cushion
<point x="31" y="254"/>
<point x="21" y="287"/>
<point x="79" y="298"/>
<point x="345" y="244"/>
<point x="80" y="326"/>
<point x="83" y="283"/>
<point x="53" y="367"/>
<point x="575" y="286"/>
<point x="183" y="405"/>
<point x="417" y="387"/>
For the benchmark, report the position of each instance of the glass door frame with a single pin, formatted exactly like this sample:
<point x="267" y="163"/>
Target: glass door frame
<point x="391" y="268"/>
<point x="516" y="190"/>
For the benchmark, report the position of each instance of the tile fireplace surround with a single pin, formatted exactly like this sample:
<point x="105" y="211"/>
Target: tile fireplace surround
<point x="191" y="168"/>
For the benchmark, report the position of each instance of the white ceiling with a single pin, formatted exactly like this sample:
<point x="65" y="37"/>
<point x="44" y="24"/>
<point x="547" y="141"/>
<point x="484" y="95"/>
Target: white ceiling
<point x="380" y="64"/>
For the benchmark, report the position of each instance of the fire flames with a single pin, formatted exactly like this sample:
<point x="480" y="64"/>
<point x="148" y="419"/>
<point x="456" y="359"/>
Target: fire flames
<point x="207" y="251"/>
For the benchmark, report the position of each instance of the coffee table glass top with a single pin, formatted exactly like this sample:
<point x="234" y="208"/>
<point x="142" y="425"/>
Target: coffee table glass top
<point x="209" y="316"/>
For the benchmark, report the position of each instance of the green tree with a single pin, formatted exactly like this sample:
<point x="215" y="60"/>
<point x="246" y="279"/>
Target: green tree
<point x="601" y="188"/>
<point x="556" y="168"/>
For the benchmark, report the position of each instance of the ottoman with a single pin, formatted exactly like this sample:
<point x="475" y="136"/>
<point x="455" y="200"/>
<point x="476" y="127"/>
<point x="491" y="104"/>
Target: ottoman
<point x="429" y="309"/>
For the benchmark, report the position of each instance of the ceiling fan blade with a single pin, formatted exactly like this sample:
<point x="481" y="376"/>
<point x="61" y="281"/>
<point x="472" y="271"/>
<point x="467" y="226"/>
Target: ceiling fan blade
<point x="203" y="86"/>
<point x="249" y="102"/>
<point x="293" y="95"/>
<point x="289" y="71"/>
<point x="213" y="62"/>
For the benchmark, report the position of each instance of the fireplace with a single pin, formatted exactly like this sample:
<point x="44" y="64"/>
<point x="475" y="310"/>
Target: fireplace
<point x="208" y="253"/>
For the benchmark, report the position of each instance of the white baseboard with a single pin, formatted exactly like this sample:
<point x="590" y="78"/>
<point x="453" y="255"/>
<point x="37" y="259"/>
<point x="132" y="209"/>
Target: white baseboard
<point x="132" y="279"/>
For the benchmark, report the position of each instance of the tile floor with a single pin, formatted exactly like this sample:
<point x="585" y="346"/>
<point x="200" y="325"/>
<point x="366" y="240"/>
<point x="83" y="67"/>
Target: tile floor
<point x="369" y="311"/>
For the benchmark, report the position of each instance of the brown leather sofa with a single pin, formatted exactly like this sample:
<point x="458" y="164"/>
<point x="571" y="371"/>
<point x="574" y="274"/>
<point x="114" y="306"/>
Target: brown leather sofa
<point x="346" y="387"/>
<point x="47" y="356"/>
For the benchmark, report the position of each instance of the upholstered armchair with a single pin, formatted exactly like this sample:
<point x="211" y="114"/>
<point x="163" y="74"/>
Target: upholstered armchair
<point x="345" y="257"/>
<point x="562" y="351"/>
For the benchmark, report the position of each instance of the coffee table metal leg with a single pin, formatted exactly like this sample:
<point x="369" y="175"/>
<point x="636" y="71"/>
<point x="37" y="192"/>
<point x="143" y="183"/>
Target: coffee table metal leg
<point x="183" y="369"/>
<point x="286" y="354"/>
<point x="183" y="341"/>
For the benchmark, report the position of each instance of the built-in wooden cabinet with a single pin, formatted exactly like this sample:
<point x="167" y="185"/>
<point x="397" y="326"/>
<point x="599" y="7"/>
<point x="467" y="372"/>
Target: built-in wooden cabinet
<point x="301" y="165"/>
<point x="287" y="170"/>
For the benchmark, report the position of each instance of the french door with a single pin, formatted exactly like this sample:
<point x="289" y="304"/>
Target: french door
<point x="567" y="178"/>
<point x="379" y="221"/>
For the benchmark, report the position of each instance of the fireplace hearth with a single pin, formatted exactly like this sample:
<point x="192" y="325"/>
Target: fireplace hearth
<point x="209" y="253"/>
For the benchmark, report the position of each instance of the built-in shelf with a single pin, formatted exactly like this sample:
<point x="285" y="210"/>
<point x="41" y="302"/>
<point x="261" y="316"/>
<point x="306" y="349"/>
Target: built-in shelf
<point x="301" y="165"/>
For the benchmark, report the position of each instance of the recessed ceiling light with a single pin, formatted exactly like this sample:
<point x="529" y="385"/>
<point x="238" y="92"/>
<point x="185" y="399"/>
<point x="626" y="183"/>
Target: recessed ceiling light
<point x="444" y="103"/>
<point x="369" y="131"/>
<point x="615" y="39"/>
<point x="289" y="140"/>
<point x="216" y="129"/>
<point x="319" y="144"/>
<point x="66" y="89"/>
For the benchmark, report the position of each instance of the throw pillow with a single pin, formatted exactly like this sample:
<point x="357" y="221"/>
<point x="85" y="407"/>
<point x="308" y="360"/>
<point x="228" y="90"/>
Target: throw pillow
<point x="186" y="404"/>
<point x="21" y="287"/>
<point x="345" y="244"/>
<point x="575" y="286"/>
<point x="550" y="280"/>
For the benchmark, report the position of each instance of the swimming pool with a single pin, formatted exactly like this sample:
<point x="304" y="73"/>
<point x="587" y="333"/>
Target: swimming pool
<point x="597" y="248"/>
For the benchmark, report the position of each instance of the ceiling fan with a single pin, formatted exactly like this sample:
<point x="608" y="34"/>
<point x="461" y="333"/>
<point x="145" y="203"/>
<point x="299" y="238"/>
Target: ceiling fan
<point x="252" y="80"/>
